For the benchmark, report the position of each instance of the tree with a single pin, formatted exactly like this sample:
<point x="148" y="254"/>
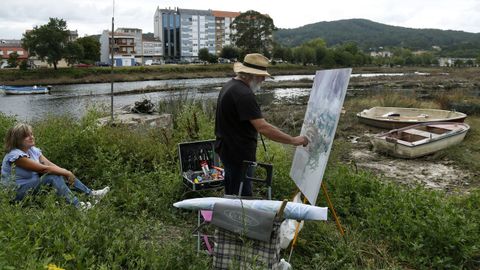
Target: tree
<point x="229" y="52"/>
<point x="253" y="32"/>
<point x="74" y="52"/>
<point x="320" y="48"/>
<point x="212" y="58"/>
<point x="329" y="60"/>
<point x="458" y="63"/>
<point x="308" y="54"/>
<point x="13" y="59"/>
<point x="278" y="51"/>
<point x="23" y="65"/>
<point x="342" y="58"/>
<point x="47" y="41"/>
<point x="206" y="56"/>
<point x="298" y="55"/>
<point x="91" y="49"/>
<point x="288" y="55"/>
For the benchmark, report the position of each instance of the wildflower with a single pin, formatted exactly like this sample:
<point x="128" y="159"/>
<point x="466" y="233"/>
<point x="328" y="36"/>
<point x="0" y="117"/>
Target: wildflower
<point x="52" y="266"/>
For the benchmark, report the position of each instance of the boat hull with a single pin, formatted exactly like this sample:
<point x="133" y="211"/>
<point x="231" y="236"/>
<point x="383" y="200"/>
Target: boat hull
<point x="27" y="90"/>
<point x="394" y="144"/>
<point x="394" y="117"/>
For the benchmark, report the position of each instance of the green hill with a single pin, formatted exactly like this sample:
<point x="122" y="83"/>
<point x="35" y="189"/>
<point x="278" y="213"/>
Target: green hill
<point x="368" y="34"/>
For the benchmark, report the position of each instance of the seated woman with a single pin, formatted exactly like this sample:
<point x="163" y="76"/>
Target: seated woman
<point x="25" y="167"/>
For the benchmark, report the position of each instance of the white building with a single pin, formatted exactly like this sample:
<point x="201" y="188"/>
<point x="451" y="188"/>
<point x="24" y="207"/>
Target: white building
<point x="381" y="54"/>
<point x="197" y="31"/>
<point x="152" y="49"/>
<point x="450" y="61"/>
<point x="184" y="32"/>
<point x="123" y="50"/>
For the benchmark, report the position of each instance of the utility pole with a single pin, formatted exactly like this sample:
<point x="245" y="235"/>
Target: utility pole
<point x="111" y="67"/>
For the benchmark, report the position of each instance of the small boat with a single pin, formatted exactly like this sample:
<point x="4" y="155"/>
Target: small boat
<point x="395" y="117"/>
<point x="25" y="90"/>
<point x="420" y="140"/>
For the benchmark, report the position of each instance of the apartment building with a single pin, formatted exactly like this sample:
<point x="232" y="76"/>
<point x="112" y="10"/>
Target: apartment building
<point x="223" y="19"/>
<point x="184" y="32"/>
<point x="73" y="35"/>
<point x="152" y="49"/>
<point x="167" y="30"/>
<point x="123" y="50"/>
<point x="197" y="31"/>
<point x="137" y="37"/>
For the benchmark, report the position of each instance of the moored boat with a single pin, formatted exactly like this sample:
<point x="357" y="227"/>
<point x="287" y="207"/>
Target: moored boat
<point x="420" y="140"/>
<point x="25" y="90"/>
<point x="395" y="117"/>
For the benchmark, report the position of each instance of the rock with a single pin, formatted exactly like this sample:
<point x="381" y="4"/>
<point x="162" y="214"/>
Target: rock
<point x="134" y="120"/>
<point x="144" y="106"/>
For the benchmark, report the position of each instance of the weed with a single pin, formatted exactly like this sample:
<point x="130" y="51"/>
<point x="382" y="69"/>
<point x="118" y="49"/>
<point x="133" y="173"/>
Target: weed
<point x="136" y="227"/>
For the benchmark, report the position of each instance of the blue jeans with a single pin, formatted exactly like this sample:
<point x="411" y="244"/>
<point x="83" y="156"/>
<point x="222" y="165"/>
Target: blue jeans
<point x="233" y="178"/>
<point x="58" y="182"/>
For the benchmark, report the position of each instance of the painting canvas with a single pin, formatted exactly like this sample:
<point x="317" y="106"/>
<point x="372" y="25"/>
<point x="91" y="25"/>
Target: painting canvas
<point x="321" y="119"/>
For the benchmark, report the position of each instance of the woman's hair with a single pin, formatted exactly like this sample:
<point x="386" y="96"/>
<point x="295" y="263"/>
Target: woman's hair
<point x="16" y="135"/>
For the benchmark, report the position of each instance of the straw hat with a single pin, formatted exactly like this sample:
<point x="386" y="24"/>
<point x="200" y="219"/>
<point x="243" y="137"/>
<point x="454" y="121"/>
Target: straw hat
<point x="253" y="63"/>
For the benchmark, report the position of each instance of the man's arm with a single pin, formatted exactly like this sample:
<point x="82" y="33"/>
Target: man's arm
<point x="273" y="133"/>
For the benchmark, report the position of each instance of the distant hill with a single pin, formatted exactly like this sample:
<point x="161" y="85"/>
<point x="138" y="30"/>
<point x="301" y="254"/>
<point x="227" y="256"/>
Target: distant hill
<point x="368" y="34"/>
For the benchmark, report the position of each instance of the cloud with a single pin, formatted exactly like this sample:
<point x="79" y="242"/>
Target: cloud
<point x="93" y="16"/>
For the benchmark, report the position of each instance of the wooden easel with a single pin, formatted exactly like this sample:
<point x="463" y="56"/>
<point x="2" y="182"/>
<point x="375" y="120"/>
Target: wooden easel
<point x="335" y="217"/>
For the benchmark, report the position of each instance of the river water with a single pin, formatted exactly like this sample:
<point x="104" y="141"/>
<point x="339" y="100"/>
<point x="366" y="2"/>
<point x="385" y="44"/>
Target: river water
<point x="75" y="99"/>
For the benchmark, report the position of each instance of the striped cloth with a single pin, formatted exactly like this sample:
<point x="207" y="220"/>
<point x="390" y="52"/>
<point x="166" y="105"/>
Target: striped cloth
<point x="232" y="251"/>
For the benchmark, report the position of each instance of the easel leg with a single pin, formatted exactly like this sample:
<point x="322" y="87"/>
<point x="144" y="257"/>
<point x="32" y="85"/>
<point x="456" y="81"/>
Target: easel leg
<point x="330" y="205"/>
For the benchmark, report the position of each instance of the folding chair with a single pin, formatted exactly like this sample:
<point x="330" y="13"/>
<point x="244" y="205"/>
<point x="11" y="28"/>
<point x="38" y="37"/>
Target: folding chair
<point x="234" y="248"/>
<point x="252" y="166"/>
<point x="204" y="217"/>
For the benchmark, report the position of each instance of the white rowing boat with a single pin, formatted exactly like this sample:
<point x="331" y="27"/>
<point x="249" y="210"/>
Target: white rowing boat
<point x="395" y="117"/>
<point x="420" y="140"/>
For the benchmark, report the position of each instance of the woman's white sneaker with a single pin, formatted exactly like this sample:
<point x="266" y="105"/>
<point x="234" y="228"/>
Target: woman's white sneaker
<point x="100" y="193"/>
<point x="85" y="205"/>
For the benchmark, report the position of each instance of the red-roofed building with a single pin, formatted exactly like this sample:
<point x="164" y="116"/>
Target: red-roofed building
<point x="10" y="46"/>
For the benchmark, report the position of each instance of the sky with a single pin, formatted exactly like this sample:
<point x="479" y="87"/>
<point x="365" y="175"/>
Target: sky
<point x="91" y="17"/>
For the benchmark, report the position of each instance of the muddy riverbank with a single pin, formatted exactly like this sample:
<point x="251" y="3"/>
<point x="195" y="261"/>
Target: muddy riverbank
<point x="165" y="72"/>
<point x="454" y="170"/>
<point x="129" y="74"/>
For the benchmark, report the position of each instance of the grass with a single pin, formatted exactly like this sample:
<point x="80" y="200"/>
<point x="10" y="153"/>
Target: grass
<point x="136" y="227"/>
<point x="102" y="74"/>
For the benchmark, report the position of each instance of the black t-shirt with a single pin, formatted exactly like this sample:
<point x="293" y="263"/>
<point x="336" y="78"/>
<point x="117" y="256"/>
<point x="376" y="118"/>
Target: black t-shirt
<point x="236" y="137"/>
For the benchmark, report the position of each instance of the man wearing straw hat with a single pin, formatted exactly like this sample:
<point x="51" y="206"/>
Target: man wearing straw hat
<point x="239" y="120"/>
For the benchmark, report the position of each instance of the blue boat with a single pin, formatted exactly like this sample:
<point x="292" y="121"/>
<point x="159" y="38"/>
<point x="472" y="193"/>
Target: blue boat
<point x="25" y="90"/>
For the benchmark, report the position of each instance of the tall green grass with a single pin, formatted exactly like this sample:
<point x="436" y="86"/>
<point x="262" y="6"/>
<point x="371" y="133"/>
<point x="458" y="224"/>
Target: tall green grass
<point x="148" y="72"/>
<point x="136" y="227"/>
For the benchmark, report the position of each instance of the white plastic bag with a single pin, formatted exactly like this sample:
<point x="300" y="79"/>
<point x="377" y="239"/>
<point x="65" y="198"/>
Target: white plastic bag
<point x="283" y="265"/>
<point x="288" y="227"/>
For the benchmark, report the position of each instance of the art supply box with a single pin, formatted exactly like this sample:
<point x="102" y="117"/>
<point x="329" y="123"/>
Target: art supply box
<point x="200" y="165"/>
